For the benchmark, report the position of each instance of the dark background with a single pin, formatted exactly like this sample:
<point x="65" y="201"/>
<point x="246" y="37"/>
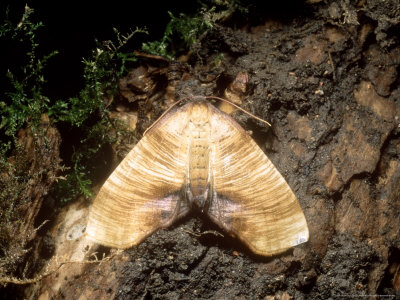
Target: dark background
<point x="71" y="29"/>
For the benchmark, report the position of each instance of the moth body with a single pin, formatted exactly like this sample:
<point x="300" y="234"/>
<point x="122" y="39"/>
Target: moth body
<point x="199" y="169"/>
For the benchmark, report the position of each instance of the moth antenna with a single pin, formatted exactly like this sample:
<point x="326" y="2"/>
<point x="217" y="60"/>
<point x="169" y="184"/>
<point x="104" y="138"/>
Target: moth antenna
<point x="238" y="107"/>
<point x="207" y="97"/>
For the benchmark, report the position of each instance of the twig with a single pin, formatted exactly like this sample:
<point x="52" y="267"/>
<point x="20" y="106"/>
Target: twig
<point x="47" y="272"/>
<point x="41" y="225"/>
<point x="216" y="233"/>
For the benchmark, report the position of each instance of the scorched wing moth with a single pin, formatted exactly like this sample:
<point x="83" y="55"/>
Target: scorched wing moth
<point x="198" y="157"/>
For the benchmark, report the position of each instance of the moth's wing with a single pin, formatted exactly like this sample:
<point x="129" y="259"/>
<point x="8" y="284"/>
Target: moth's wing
<point x="251" y="198"/>
<point x="143" y="193"/>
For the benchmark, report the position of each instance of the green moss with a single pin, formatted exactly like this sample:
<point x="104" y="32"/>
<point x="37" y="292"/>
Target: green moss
<point x="25" y="102"/>
<point x="180" y="34"/>
<point x="184" y="30"/>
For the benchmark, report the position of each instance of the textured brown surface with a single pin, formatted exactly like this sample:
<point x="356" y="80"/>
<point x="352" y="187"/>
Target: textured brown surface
<point x="199" y="157"/>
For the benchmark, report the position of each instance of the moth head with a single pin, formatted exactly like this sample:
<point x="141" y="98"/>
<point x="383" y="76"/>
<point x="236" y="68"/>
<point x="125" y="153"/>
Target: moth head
<point x="199" y="113"/>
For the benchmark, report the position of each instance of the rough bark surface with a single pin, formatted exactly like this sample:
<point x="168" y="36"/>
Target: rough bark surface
<point x="327" y="80"/>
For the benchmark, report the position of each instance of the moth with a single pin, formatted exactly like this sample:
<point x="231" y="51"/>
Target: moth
<point x="197" y="157"/>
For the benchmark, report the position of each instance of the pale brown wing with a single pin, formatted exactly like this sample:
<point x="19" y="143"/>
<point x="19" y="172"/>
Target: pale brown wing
<point x="251" y="198"/>
<point x="143" y="193"/>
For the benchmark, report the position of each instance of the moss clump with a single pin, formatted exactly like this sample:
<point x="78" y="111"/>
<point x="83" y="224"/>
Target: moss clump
<point x="183" y="31"/>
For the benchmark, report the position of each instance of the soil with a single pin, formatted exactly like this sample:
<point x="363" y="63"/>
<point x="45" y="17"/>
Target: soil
<point x="326" y="78"/>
